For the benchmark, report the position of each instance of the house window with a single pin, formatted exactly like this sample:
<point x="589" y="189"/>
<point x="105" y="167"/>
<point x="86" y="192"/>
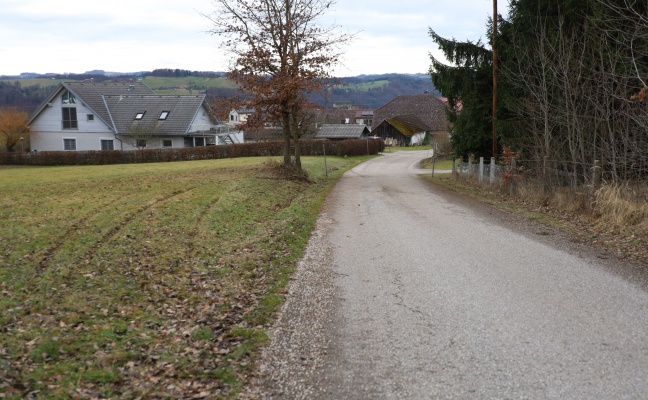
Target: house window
<point x="140" y="143"/>
<point x="167" y="143"/>
<point x="69" y="98"/>
<point x="139" y="115"/>
<point x="107" y="144"/>
<point x="90" y="117"/>
<point x="199" y="141"/>
<point x="69" y="144"/>
<point x="232" y="117"/>
<point x="70" y="118"/>
<point x="164" y="115"/>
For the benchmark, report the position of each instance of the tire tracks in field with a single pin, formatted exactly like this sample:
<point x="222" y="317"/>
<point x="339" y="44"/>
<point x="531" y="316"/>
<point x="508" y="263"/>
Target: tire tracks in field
<point x="130" y="216"/>
<point x="121" y="223"/>
<point x="56" y="246"/>
<point x="194" y="231"/>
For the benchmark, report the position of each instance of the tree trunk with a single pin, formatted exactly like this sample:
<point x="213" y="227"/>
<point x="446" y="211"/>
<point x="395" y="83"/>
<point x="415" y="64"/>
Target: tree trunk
<point x="285" y="123"/>
<point x="295" y="131"/>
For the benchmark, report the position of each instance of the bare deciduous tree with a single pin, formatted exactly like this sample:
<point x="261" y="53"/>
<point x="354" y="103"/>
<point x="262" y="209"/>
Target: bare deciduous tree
<point x="139" y="134"/>
<point x="279" y="54"/>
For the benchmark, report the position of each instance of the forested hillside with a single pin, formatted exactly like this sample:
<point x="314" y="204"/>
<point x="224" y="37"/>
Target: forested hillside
<point x="23" y="95"/>
<point x="367" y="91"/>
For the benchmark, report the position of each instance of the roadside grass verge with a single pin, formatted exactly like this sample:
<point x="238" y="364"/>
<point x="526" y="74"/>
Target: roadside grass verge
<point x="438" y="164"/>
<point x="392" y="149"/>
<point x="616" y="221"/>
<point x="147" y="280"/>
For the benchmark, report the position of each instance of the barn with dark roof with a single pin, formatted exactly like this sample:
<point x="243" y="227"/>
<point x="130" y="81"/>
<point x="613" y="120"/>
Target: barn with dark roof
<point x="411" y="112"/>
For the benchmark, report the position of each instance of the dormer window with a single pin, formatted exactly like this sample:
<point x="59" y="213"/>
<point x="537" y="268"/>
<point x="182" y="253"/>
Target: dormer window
<point x="164" y="115"/>
<point x="139" y="115"/>
<point x="69" y="98"/>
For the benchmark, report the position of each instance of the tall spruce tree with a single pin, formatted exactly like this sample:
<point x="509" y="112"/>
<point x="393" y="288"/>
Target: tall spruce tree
<point x="468" y="86"/>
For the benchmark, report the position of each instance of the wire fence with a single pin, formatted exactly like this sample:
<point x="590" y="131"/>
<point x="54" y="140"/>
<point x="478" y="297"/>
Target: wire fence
<point x="553" y="175"/>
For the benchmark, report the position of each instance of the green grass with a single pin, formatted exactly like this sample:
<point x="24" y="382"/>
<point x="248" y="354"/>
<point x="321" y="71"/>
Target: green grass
<point x="150" y="280"/>
<point x="201" y="83"/>
<point x="369" y="85"/>
<point x="438" y="164"/>
<point x="390" y="149"/>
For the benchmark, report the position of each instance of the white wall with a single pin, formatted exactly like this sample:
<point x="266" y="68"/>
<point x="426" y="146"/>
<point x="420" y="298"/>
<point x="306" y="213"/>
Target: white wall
<point x="417" y="138"/>
<point x="47" y="131"/>
<point x="53" y="141"/>
<point x="202" y="122"/>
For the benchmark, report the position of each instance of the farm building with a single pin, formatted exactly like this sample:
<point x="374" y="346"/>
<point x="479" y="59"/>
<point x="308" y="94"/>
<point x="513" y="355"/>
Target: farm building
<point x="429" y="110"/>
<point x="402" y="130"/>
<point x="342" y="131"/>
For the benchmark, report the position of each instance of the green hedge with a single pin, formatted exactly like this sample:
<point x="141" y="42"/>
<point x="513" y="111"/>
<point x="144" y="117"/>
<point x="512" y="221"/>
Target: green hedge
<point x="349" y="148"/>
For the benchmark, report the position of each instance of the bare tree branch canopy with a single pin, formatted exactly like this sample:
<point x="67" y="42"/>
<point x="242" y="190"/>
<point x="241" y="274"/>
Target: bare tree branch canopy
<point x="140" y="134"/>
<point x="279" y="54"/>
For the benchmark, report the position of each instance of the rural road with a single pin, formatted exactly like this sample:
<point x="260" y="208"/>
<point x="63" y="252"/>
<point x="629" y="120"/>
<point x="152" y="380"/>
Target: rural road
<point x="410" y="292"/>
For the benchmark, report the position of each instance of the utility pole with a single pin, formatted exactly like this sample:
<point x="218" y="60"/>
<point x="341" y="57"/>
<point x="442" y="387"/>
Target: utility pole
<point x="494" y="77"/>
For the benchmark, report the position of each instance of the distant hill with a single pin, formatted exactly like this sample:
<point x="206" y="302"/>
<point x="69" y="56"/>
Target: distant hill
<point x="363" y="91"/>
<point x="373" y="91"/>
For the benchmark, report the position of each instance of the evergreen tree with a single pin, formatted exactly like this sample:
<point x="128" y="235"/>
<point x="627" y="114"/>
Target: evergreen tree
<point x="468" y="86"/>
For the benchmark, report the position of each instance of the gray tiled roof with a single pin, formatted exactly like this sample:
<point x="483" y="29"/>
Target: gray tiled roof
<point x="90" y="93"/>
<point x="182" y="112"/>
<point x="429" y="109"/>
<point x="346" y="131"/>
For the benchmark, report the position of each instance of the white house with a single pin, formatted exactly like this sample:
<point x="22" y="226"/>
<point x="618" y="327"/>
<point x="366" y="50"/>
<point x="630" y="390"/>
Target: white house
<point x="122" y="116"/>
<point x="240" y="115"/>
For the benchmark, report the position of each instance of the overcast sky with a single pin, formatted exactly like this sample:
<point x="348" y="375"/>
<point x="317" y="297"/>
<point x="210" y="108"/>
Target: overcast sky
<point x="141" y="35"/>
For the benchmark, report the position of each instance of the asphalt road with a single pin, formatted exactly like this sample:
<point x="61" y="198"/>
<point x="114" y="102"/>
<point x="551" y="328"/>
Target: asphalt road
<point x="426" y="297"/>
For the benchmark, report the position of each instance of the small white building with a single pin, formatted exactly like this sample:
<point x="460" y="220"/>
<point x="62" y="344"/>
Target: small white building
<point x="240" y="115"/>
<point x="123" y="116"/>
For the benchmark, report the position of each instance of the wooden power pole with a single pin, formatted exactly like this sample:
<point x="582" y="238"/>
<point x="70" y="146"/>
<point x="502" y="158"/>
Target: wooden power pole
<point x="494" y="77"/>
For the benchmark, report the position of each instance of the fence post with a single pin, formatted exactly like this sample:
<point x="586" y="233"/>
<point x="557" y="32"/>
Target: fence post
<point x="596" y="176"/>
<point x="545" y="178"/>
<point x="470" y="164"/>
<point x="492" y="171"/>
<point x="481" y="169"/>
<point x="512" y="188"/>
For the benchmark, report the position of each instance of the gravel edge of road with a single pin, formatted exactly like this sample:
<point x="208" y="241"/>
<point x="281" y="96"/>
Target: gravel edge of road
<point x="299" y="339"/>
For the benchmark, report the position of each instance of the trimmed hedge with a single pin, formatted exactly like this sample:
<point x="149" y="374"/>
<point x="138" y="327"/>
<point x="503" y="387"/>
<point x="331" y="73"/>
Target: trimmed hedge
<point x="355" y="147"/>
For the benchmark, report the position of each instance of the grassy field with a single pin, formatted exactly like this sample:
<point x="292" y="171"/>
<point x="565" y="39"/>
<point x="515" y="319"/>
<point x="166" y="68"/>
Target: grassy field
<point x="151" y="280"/>
<point x="438" y="164"/>
<point x="156" y="83"/>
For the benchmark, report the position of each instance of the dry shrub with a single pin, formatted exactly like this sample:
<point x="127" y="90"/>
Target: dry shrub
<point x="562" y="199"/>
<point x="623" y="205"/>
<point x="534" y="193"/>
<point x="569" y="200"/>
